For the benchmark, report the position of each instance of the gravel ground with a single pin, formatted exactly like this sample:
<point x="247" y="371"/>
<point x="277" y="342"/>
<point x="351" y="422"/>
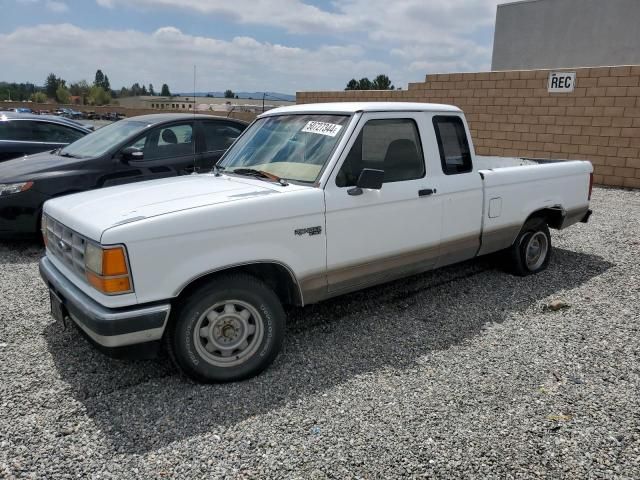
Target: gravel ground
<point x="462" y="372"/>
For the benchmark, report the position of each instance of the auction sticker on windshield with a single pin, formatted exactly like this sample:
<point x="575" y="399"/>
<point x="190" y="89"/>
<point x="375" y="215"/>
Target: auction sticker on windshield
<point x="322" y="128"/>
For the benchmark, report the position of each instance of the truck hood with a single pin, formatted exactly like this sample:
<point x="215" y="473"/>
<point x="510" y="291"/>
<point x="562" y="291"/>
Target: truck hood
<point x="91" y="213"/>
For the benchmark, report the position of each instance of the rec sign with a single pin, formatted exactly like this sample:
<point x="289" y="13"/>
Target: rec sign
<point x="561" y="82"/>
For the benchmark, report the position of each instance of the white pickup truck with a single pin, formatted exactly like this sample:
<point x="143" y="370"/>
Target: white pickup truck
<point x="310" y="202"/>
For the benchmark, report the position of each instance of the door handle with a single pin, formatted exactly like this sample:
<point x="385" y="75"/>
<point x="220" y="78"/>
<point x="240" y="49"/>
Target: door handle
<point x="425" y="192"/>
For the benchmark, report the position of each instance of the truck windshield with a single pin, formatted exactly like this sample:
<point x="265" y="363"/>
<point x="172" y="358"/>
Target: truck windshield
<point x="103" y="139"/>
<point x="294" y="147"/>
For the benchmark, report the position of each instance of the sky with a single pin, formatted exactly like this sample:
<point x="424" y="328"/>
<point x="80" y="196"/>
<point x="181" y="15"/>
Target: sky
<point x="243" y="45"/>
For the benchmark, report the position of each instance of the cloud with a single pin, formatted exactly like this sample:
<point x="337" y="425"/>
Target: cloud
<point x="51" y="5"/>
<point x="440" y="34"/>
<point x="56" y="7"/>
<point x="167" y="55"/>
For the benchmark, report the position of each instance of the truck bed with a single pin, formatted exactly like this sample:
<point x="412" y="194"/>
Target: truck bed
<point x="491" y="163"/>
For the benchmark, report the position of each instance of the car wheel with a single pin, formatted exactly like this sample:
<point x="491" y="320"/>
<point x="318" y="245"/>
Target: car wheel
<point x="531" y="252"/>
<point x="228" y="330"/>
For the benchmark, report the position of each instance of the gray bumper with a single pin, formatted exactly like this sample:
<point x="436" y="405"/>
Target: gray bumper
<point x="106" y="326"/>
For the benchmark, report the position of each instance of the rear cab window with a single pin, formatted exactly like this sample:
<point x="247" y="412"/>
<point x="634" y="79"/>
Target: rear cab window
<point x="453" y="144"/>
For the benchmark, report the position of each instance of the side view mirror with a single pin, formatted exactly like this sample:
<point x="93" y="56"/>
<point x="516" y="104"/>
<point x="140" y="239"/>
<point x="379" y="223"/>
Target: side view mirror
<point x="132" y="154"/>
<point x="370" y="178"/>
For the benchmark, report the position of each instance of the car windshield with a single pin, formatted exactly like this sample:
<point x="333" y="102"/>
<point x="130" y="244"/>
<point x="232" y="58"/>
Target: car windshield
<point x="103" y="139"/>
<point x="294" y="147"/>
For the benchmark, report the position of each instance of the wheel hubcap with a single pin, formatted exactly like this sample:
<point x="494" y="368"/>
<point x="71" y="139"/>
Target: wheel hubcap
<point x="536" y="250"/>
<point x="228" y="333"/>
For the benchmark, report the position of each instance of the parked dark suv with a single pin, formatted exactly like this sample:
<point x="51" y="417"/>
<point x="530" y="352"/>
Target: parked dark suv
<point x="131" y="150"/>
<point x="24" y="134"/>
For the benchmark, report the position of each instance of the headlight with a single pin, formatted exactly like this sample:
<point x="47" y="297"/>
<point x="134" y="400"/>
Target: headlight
<point x="11" y="188"/>
<point x="107" y="268"/>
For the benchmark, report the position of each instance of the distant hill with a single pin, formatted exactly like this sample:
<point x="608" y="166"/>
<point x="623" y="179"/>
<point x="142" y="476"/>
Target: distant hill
<point x="245" y="95"/>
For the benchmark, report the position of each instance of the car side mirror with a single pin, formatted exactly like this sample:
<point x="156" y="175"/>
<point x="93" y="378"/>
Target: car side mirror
<point x="370" y="178"/>
<point x="132" y="154"/>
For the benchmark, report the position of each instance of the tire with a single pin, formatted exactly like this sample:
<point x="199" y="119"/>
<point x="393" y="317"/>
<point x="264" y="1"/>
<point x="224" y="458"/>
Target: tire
<point x="531" y="252"/>
<point x="230" y="329"/>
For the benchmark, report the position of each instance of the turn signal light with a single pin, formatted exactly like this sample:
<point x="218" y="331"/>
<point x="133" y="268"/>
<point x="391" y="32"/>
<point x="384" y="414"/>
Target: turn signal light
<point x="109" y="286"/>
<point x="107" y="269"/>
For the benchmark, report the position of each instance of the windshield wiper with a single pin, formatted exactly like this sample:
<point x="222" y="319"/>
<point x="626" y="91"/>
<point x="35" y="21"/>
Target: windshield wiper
<point x="252" y="172"/>
<point x="68" y="155"/>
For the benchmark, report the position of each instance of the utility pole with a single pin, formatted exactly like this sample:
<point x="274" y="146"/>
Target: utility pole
<point x="263" y="95"/>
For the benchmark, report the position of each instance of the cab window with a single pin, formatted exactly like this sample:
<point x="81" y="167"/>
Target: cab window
<point x="455" y="154"/>
<point x="392" y="145"/>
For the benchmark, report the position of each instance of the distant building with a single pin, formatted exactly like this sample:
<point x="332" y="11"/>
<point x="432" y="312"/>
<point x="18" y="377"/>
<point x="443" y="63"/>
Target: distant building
<point x="183" y="104"/>
<point x="538" y="34"/>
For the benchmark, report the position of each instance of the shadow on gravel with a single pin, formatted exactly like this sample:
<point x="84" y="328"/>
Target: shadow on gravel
<point x="144" y="405"/>
<point x="21" y="251"/>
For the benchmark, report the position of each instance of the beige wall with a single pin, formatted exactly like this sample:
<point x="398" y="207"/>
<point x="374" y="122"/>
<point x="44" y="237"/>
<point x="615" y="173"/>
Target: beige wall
<point x="512" y="114"/>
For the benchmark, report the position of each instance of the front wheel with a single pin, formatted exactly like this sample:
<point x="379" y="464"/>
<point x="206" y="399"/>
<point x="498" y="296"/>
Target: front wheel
<point x="531" y="252"/>
<point x="228" y="330"/>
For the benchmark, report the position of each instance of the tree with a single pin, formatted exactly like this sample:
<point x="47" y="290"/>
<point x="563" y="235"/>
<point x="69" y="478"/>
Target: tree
<point x="39" y="97"/>
<point x="365" y="84"/>
<point x="51" y="85"/>
<point x="165" y="92"/>
<point x="382" y="82"/>
<point x="106" y="86"/>
<point x="63" y="95"/>
<point x="151" y="91"/>
<point x="352" y="85"/>
<point x="98" y="96"/>
<point x="144" y="90"/>
<point x="229" y="94"/>
<point x="99" y="79"/>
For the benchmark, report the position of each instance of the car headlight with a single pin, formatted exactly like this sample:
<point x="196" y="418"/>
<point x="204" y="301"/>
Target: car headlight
<point x="107" y="269"/>
<point x="11" y="188"/>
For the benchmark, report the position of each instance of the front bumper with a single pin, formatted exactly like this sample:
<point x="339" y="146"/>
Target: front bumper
<point x="108" y="327"/>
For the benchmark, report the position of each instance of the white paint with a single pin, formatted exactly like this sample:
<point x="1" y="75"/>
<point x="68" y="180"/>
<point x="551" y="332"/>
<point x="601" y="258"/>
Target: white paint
<point x="196" y="224"/>
<point x="561" y="82"/>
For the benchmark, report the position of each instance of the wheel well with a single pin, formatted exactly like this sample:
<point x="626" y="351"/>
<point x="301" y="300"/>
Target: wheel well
<point x="276" y="276"/>
<point x="554" y="216"/>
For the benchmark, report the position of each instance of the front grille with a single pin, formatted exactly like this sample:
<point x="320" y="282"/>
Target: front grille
<point x="67" y="246"/>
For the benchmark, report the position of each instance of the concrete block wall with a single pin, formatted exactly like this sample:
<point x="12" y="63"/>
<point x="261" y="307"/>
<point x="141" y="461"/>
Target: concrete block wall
<point x="512" y="114"/>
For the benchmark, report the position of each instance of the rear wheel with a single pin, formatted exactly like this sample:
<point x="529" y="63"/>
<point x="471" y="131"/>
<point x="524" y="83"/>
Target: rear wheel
<point x="228" y="330"/>
<point x="531" y="252"/>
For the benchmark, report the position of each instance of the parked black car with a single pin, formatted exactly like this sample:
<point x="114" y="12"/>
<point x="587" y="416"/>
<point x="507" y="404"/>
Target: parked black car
<point x="131" y="150"/>
<point x="24" y="134"/>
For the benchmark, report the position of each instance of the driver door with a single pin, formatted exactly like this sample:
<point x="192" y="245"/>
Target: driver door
<point x="380" y="235"/>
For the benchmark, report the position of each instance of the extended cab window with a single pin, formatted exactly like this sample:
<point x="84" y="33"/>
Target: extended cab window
<point x="392" y="145"/>
<point x="455" y="154"/>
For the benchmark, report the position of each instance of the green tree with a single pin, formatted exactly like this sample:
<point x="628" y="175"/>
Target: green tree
<point x="229" y="94"/>
<point x="165" y="92"/>
<point x="51" y="85"/>
<point x="352" y="85"/>
<point x="99" y="79"/>
<point x="151" y="91"/>
<point x="382" y="82"/>
<point x="39" y="97"/>
<point x="63" y="95"/>
<point x="106" y="86"/>
<point x="98" y="96"/>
